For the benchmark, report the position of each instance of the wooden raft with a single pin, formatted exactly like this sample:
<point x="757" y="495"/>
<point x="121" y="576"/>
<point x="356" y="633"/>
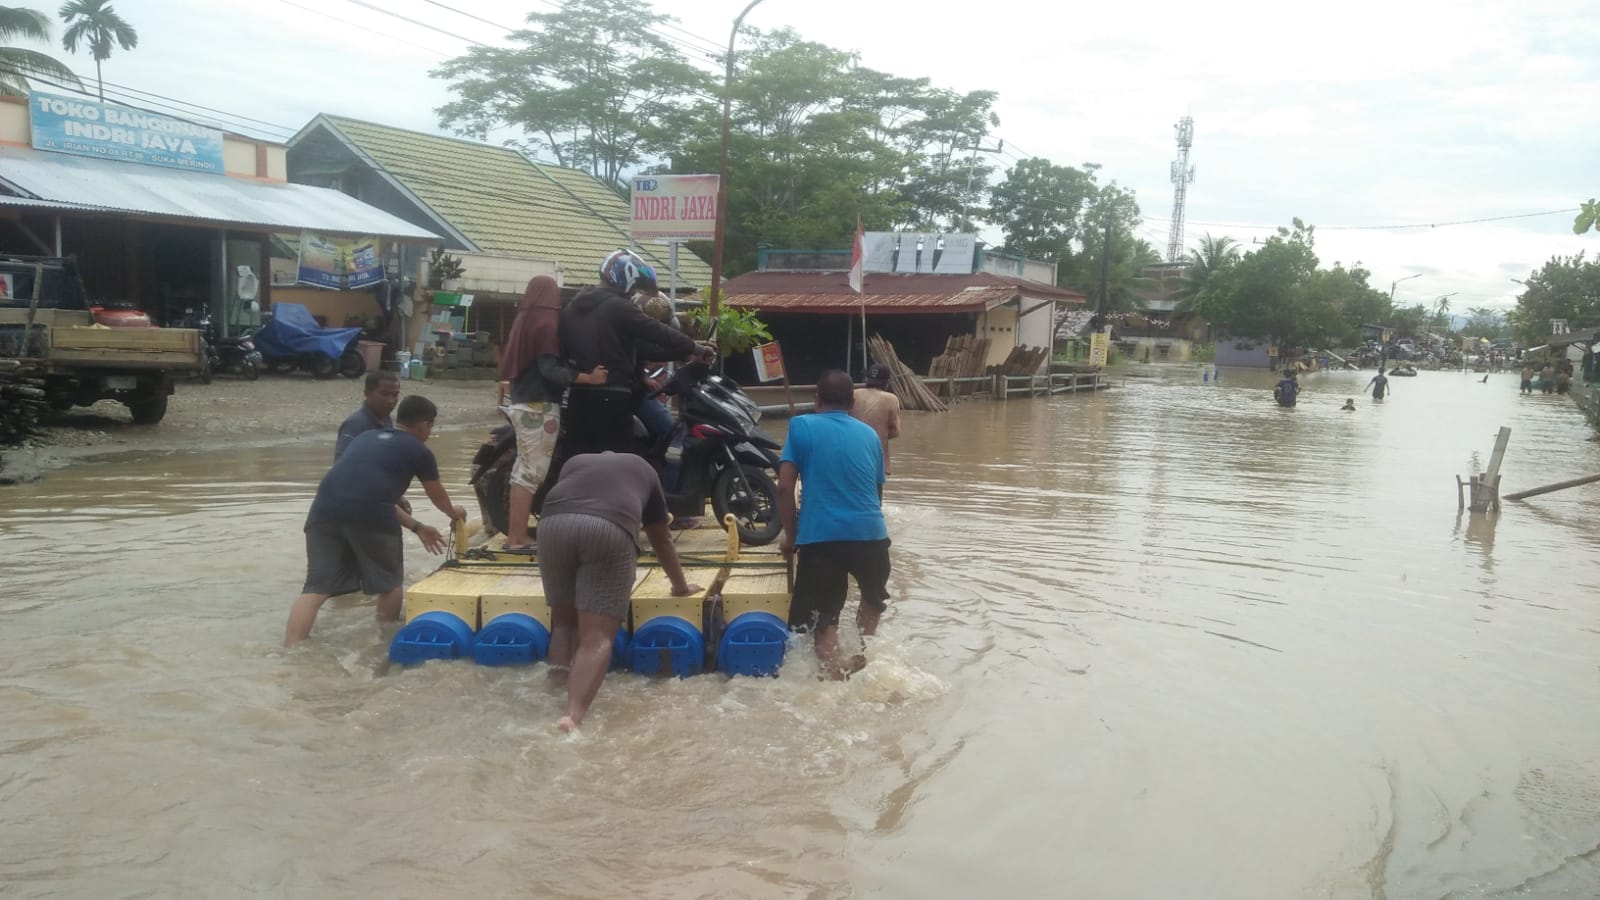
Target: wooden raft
<point x="485" y="582"/>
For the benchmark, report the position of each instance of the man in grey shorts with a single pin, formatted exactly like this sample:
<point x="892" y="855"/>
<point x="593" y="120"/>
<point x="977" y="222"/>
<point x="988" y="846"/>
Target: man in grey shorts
<point x="588" y="550"/>
<point x="353" y="536"/>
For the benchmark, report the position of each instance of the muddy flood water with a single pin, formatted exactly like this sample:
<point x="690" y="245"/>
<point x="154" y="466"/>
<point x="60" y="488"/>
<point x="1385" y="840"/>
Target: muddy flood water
<point x="1164" y="642"/>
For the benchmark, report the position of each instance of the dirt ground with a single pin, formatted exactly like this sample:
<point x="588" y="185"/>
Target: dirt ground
<point x="230" y="412"/>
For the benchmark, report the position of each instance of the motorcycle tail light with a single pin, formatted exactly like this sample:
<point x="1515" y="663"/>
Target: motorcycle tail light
<point x="705" y="431"/>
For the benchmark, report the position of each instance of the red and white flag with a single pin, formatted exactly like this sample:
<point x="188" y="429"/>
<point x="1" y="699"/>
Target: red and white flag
<point x="858" y="261"/>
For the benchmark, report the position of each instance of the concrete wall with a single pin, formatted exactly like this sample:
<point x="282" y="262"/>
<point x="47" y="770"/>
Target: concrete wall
<point x="1243" y="354"/>
<point x="1000" y="327"/>
<point x="1035" y="328"/>
<point x="1156" y="350"/>
<point x="334" y="306"/>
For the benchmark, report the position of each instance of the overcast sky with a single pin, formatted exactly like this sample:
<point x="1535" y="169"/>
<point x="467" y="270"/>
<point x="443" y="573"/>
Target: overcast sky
<point x="1354" y="114"/>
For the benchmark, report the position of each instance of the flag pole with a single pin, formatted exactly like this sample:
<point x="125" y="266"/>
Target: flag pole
<point x="858" y="281"/>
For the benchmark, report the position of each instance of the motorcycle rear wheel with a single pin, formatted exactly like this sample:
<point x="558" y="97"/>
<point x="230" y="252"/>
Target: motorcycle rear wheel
<point x="251" y="371"/>
<point x="352" y="364"/>
<point x="323" y="366"/>
<point x="753" y="501"/>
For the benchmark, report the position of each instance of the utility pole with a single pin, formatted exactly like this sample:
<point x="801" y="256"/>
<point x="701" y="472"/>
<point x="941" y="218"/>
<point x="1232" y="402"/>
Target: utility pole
<point x="1182" y="176"/>
<point x="1105" y="280"/>
<point x="722" y="183"/>
<point x="972" y="169"/>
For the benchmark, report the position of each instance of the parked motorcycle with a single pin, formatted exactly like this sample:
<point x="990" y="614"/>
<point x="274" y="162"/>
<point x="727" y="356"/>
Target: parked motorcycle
<point x="715" y="451"/>
<point x="291" y="339"/>
<point x="233" y="355"/>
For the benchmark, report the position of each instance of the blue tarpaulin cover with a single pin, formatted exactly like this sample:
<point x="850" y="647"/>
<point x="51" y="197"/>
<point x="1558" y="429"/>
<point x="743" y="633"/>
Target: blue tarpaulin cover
<point x="292" y="330"/>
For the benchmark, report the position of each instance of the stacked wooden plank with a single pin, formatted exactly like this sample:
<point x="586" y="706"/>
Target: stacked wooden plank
<point x="22" y="400"/>
<point x="907" y="386"/>
<point x="1022" y="361"/>
<point x="963" y="357"/>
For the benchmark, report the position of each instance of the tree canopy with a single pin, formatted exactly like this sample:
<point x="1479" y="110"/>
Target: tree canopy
<point x="95" y="24"/>
<point x="18" y="64"/>
<point x="1565" y="287"/>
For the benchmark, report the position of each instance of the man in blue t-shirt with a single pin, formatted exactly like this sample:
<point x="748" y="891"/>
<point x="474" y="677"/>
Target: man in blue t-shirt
<point x="353" y="535"/>
<point x="840" y="533"/>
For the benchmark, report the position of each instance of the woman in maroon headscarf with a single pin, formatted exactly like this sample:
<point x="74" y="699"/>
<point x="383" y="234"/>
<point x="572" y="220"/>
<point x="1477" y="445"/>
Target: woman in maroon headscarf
<point x="538" y="375"/>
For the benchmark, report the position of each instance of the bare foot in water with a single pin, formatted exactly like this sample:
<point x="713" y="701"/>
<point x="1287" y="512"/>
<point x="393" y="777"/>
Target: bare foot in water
<point x="565" y="724"/>
<point x="855" y="664"/>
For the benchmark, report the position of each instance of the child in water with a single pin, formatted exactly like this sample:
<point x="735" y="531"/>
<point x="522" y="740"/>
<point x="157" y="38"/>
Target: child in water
<point x="1349" y="404"/>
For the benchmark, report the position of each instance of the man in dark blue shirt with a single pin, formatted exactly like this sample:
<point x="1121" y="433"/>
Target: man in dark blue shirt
<point x="377" y="402"/>
<point x="840" y="533"/>
<point x="353" y="538"/>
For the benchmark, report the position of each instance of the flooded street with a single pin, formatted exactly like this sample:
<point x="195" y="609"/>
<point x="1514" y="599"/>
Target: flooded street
<point x="1166" y="641"/>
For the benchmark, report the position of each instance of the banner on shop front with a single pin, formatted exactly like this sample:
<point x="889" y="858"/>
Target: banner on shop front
<point x="363" y="266"/>
<point x="83" y="127"/>
<point x="339" y="264"/>
<point x="1099" y="344"/>
<point x="321" y="262"/>
<point x="675" y="207"/>
<point x="769" y="362"/>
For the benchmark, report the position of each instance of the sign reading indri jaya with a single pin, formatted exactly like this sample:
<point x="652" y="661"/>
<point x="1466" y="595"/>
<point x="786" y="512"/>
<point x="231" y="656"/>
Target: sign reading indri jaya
<point x="64" y="124"/>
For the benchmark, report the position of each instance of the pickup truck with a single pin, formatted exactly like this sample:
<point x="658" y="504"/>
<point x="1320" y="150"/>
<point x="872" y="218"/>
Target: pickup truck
<point x="46" y="316"/>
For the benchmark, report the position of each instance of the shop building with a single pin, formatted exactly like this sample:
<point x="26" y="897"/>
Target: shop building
<point x="169" y="215"/>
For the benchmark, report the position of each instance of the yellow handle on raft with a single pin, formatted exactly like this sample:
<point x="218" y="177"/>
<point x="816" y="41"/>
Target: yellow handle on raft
<point x="462" y="531"/>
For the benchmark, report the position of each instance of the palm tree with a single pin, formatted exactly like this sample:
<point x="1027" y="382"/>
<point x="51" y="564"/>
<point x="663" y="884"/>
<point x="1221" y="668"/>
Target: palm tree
<point x="95" y="23"/>
<point x="17" y="63"/>
<point x="1441" y="311"/>
<point x="1214" y="255"/>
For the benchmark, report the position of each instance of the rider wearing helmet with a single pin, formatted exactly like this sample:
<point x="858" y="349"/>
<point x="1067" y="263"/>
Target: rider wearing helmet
<point x="602" y="329"/>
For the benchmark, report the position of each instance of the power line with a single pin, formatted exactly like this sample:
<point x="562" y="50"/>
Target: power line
<point x="1394" y="227"/>
<point x="420" y="24"/>
<point x="140" y="102"/>
<point x="368" y="29"/>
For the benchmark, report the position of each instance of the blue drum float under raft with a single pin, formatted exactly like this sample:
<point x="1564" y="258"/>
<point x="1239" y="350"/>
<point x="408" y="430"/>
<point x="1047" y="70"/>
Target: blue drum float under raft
<point x="488" y="605"/>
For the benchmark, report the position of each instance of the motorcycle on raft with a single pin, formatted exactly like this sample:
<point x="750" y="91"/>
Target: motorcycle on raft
<point x="715" y="451"/>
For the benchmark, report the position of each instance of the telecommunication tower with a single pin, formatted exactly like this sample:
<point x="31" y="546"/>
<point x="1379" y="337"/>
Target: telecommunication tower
<point x="1182" y="176"/>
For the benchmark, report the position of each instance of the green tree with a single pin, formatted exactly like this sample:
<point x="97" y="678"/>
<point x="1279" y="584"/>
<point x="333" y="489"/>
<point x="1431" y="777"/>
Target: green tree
<point x="1484" y="322"/>
<point x="1130" y="255"/>
<point x="1040" y="207"/>
<point x="1441" y="313"/>
<point x="1409" y="321"/>
<point x="95" y="24"/>
<point x="592" y="83"/>
<point x="1563" y="288"/>
<point x="1265" y="295"/>
<point x="17" y="64"/>
<point x="1205" y="264"/>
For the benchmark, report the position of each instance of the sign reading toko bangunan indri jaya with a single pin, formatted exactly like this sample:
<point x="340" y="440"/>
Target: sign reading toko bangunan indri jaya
<point x="64" y="124"/>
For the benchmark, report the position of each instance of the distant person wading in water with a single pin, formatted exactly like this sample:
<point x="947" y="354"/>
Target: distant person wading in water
<point x="1288" y="390"/>
<point x="1379" y="385"/>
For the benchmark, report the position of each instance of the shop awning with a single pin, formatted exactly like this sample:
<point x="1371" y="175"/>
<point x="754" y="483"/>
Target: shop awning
<point x="63" y="184"/>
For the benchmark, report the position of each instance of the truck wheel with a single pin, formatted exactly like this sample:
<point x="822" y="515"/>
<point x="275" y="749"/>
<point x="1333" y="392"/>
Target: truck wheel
<point x="148" y="408"/>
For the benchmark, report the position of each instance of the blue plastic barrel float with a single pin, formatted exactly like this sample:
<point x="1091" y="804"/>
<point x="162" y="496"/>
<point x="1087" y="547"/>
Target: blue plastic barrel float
<point x="667" y="645"/>
<point x="511" y="639"/>
<point x="753" y="644"/>
<point x="432" y="635"/>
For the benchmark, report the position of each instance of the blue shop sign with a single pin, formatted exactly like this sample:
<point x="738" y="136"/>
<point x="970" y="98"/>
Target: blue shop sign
<point x="65" y="124"/>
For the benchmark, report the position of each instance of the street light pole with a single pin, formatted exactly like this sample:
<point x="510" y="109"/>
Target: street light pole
<point x="722" y="181"/>
<point x="1396" y="283"/>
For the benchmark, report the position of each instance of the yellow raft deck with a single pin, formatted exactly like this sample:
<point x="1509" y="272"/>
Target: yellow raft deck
<point x="481" y="584"/>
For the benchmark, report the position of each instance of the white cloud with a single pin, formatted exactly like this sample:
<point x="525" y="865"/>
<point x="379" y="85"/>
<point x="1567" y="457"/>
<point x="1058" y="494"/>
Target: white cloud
<point x="1369" y="112"/>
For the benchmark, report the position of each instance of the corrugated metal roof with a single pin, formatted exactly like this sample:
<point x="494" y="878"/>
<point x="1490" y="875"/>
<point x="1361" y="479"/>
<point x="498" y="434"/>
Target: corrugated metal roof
<point x="830" y="292"/>
<point x="506" y="203"/>
<point x="976" y="300"/>
<point x="104" y="185"/>
<point x="891" y="283"/>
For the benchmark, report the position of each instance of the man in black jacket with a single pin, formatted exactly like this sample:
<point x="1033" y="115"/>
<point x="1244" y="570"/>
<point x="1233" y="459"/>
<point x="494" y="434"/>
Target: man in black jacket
<point x="603" y="327"/>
